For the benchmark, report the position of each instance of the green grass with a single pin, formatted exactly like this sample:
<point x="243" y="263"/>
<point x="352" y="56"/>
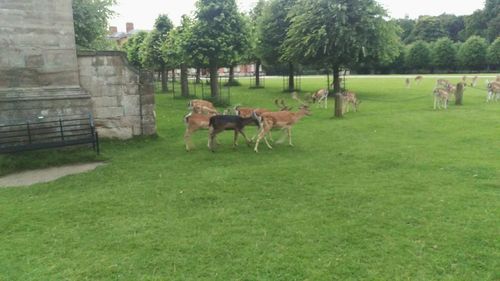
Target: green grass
<point x="397" y="191"/>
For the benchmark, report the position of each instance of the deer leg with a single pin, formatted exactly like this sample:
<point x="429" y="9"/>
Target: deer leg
<point x="247" y="139"/>
<point x="187" y="138"/>
<point x="262" y="134"/>
<point x="289" y="131"/>
<point x="235" y="141"/>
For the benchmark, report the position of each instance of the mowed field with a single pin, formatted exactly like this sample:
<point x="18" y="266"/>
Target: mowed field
<point x="396" y="191"/>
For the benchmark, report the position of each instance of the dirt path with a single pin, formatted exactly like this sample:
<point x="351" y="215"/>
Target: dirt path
<point x="45" y="175"/>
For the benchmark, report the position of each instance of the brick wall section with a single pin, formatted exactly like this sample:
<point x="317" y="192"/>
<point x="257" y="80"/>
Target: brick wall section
<point x="122" y="98"/>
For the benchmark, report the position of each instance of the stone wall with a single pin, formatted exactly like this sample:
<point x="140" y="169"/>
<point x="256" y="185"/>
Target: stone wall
<point x="38" y="64"/>
<point x="122" y="97"/>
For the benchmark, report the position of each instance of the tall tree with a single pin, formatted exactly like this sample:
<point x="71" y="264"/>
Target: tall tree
<point x="494" y="53"/>
<point x="175" y="51"/>
<point x="254" y="52"/>
<point x="218" y="36"/>
<point x="407" y="25"/>
<point x="91" y="22"/>
<point x="472" y="53"/>
<point x="428" y="29"/>
<point x="151" y="50"/>
<point x="133" y="48"/>
<point x="418" y="56"/>
<point x="272" y="31"/>
<point x="444" y="54"/>
<point x="340" y="33"/>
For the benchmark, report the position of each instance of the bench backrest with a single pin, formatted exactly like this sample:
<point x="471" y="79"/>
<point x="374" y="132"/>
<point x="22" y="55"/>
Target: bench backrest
<point x="46" y="133"/>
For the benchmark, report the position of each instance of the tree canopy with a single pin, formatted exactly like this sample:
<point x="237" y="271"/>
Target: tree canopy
<point x="91" y="22"/>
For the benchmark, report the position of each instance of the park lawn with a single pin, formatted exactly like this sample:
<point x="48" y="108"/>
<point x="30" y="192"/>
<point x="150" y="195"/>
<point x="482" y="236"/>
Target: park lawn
<point x="397" y="191"/>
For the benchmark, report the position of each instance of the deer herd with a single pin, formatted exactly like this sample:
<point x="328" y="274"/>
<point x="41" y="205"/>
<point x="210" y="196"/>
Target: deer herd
<point x="445" y="90"/>
<point x="203" y="115"/>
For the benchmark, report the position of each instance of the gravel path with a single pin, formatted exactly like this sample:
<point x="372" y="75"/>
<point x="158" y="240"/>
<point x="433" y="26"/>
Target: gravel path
<point x="45" y="175"/>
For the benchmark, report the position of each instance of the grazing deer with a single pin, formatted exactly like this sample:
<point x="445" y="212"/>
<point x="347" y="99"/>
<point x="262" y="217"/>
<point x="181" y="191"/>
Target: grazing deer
<point x="464" y="79"/>
<point x="281" y="120"/>
<point x="349" y="99"/>
<point x="407" y="82"/>
<point x="498" y="78"/>
<point x="202" y="106"/>
<point x="321" y="96"/>
<point x="194" y="122"/>
<point x="493" y="91"/>
<point x="474" y="82"/>
<point x="219" y="123"/>
<point x="442" y="82"/>
<point x="419" y="79"/>
<point x="440" y="98"/>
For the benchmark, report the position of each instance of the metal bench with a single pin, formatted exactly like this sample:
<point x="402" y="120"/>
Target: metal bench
<point x="48" y="133"/>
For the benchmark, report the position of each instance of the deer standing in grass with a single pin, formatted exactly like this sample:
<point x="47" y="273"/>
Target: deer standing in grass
<point x="474" y="82"/>
<point x="321" y="96"/>
<point x="440" y="98"/>
<point x="349" y="99"/>
<point x="220" y="123"/>
<point x="407" y="82"/>
<point x="493" y="91"/>
<point x="419" y="79"/>
<point x="194" y="122"/>
<point x="280" y="120"/>
<point x="246" y="112"/>
<point x="202" y="106"/>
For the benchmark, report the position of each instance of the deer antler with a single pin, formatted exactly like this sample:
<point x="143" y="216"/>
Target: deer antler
<point x="284" y="106"/>
<point x="295" y="97"/>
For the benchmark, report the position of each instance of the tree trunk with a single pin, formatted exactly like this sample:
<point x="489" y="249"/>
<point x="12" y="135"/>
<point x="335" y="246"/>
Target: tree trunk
<point x="459" y="94"/>
<point x="336" y="80"/>
<point x="184" y="81"/>
<point x="164" y="82"/>
<point x="231" y="75"/>
<point x="257" y="73"/>
<point x="338" y="95"/>
<point x="214" y="83"/>
<point x="198" y="75"/>
<point x="291" y="82"/>
<point x="339" y="107"/>
<point x="173" y="75"/>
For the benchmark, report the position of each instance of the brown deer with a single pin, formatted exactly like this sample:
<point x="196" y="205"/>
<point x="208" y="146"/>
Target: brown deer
<point x="474" y="81"/>
<point x="194" y="122"/>
<point x="440" y="98"/>
<point x="419" y="79"/>
<point x="280" y="120"/>
<point x="202" y="106"/>
<point x="493" y="91"/>
<point x="407" y="82"/>
<point x="349" y="99"/>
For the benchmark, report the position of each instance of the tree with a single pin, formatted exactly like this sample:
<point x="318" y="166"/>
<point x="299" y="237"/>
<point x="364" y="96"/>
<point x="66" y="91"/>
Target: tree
<point x="419" y="56"/>
<point x="472" y="53"/>
<point x="452" y="26"/>
<point x="218" y="36"/>
<point x="272" y="31"/>
<point x="444" y="54"/>
<point x="151" y="50"/>
<point x="340" y="34"/>
<point x="133" y="48"/>
<point x="407" y="25"/>
<point x="428" y="29"/>
<point x="91" y="22"/>
<point x="494" y="53"/>
<point x="175" y="51"/>
<point x="254" y="52"/>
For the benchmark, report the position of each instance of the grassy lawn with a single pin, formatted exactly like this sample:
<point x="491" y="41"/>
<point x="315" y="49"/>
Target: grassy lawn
<point x="397" y="191"/>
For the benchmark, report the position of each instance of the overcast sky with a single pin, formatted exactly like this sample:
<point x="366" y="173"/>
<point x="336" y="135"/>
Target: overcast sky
<point x="143" y="12"/>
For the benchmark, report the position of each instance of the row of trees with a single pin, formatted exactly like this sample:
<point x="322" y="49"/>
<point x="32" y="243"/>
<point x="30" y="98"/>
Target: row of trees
<point x="318" y="34"/>
<point x="443" y="55"/>
<point x="323" y="34"/>
<point x="484" y="23"/>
